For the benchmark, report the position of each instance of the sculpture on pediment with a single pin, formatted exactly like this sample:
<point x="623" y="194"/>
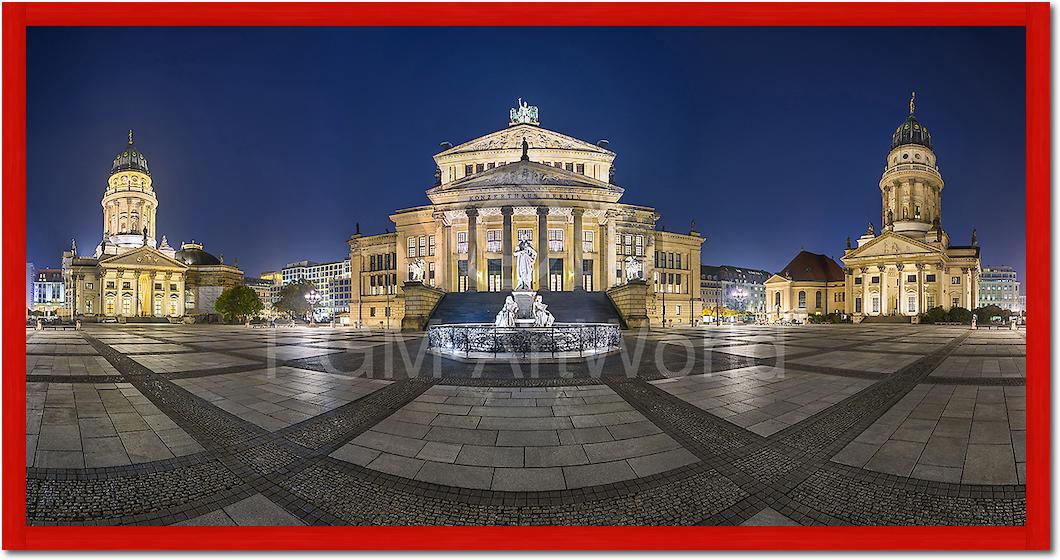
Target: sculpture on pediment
<point x="416" y="270"/>
<point x="526" y="150"/>
<point x="871" y="230"/>
<point x="523" y="114"/>
<point x="525" y="256"/>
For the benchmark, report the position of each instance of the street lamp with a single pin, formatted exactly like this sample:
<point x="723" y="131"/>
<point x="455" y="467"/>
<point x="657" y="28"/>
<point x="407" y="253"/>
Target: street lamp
<point x="313" y="297"/>
<point x="740" y="295"/>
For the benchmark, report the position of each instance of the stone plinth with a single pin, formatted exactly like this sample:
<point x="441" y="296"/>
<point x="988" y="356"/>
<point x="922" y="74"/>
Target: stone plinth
<point x="420" y="301"/>
<point x="631" y="300"/>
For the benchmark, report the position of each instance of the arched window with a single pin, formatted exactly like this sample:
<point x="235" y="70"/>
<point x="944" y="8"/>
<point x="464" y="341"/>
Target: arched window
<point x="802" y="300"/>
<point x="818" y="299"/>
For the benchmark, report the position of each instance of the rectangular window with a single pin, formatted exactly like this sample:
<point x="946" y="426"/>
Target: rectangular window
<point x="526" y="234"/>
<point x="857" y="305"/>
<point x="857" y="280"/>
<point x="956" y="302"/>
<point x="430" y="273"/>
<point x="461" y="275"/>
<point x="912" y="304"/>
<point x="158" y="286"/>
<point x="580" y="168"/>
<point x="480" y="167"/>
<point x="955" y="280"/>
<point x="493" y="274"/>
<point x="555" y="240"/>
<point x="930" y="301"/>
<point x="875" y="279"/>
<point x="639" y="241"/>
<point x="587" y="275"/>
<point x="110" y="285"/>
<point x="172" y="287"/>
<point x="371" y="312"/>
<point x="423" y="245"/>
<point x="569" y="166"/>
<point x="555" y="275"/>
<point x="875" y="304"/>
<point x="491" y="165"/>
<point x="911" y="278"/>
<point x="493" y="240"/>
<point x="588" y="241"/>
<point x="411" y="247"/>
<point x="469" y="169"/>
<point x="461" y="242"/>
<point x="88" y="286"/>
<point x="670" y="256"/>
<point x="430" y="245"/>
<point x="678" y="261"/>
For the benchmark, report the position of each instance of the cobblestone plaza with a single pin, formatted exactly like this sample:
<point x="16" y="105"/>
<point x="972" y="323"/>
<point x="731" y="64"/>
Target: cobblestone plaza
<point x="840" y="425"/>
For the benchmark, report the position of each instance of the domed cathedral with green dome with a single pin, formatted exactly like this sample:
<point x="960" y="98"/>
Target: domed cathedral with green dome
<point x="906" y="266"/>
<point x="131" y="275"/>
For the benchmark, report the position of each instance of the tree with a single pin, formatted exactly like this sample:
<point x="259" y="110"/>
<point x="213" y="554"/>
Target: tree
<point x="238" y="303"/>
<point x="292" y="298"/>
<point x="933" y="315"/>
<point x="987" y="313"/>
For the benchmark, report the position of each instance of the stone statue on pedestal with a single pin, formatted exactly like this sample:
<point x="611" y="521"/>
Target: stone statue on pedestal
<point x="506" y="316"/>
<point x="416" y="270"/>
<point x="525" y="256"/>
<point x="542" y="316"/>
<point x="634" y="270"/>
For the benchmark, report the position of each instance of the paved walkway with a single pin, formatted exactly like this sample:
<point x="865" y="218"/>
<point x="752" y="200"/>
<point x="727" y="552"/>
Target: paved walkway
<point x="211" y="425"/>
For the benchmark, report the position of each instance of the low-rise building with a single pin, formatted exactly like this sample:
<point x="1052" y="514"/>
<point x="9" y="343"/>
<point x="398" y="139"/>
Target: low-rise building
<point x="811" y="284"/>
<point x="331" y="280"/>
<point x="733" y="287"/>
<point x="999" y="285"/>
<point x="49" y="291"/>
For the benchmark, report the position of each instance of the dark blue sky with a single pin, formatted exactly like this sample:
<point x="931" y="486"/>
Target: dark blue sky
<point x="269" y="144"/>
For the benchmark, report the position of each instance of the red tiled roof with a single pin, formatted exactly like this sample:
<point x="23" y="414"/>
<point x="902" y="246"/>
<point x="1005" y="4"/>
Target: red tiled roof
<point x="811" y="267"/>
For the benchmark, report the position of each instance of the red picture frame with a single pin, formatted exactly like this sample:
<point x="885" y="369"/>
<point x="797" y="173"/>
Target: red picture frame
<point x="1034" y="17"/>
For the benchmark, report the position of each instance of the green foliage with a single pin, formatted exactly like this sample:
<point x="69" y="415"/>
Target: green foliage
<point x="934" y="315"/>
<point x="832" y="318"/>
<point x="987" y="313"/>
<point x="237" y="303"/>
<point x="292" y="298"/>
<point x="959" y="315"/>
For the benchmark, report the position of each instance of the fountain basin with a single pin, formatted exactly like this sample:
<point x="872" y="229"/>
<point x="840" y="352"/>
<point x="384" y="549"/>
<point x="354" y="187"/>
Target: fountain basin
<point x="560" y="341"/>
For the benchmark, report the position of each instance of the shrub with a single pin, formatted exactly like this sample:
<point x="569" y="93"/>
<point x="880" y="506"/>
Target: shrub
<point x="934" y="315"/>
<point x="959" y="315"/>
<point x="986" y="313"/>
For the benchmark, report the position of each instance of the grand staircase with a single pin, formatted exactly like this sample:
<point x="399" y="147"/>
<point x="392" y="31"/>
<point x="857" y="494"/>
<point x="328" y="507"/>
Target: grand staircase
<point x="566" y="307"/>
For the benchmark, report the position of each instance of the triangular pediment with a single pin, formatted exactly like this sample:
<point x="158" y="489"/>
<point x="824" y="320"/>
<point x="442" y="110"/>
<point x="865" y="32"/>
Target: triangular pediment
<point x="890" y="243"/>
<point x="776" y="279"/>
<point x="143" y="257"/>
<point x="528" y="174"/>
<point x="511" y="138"/>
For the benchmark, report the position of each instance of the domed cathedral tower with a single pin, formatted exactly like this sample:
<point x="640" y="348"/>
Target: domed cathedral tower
<point x="911" y="186"/>
<point x="129" y="203"/>
<point x="909" y="265"/>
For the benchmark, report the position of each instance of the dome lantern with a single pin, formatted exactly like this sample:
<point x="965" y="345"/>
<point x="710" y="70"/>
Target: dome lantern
<point x="130" y="158"/>
<point x="911" y="131"/>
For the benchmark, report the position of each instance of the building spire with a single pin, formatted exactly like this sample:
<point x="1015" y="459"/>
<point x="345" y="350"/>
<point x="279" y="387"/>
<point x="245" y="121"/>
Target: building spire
<point x="130" y="136"/>
<point x="912" y="104"/>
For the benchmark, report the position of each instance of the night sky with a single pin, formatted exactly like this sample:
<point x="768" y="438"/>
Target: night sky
<point x="269" y="144"/>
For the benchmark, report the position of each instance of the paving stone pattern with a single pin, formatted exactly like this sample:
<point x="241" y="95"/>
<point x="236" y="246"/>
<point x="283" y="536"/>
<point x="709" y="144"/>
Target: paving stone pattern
<point x="810" y="425"/>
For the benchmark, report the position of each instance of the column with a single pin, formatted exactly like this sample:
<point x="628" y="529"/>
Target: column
<point x="542" y="249"/>
<point x="472" y="249"/>
<point x="443" y="258"/>
<point x="883" y="289"/>
<point x="577" y="264"/>
<point x="603" y="244"/>
<point x="506" y="248"/>
<point x="920" y="288"/>
<point x="967" y="287"/>
<point x="901" y="285"/>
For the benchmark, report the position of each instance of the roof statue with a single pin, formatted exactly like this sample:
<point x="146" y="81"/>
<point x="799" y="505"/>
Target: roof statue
<point x="693" y="228"/>
<point x="871" y="230"/>
<point x="912" y="104"/>
<point x="975" y="240"/>
<point x="73" y="246"/>
<point x="145" y="237"/>
<point x="848" y="243"/>
<point x="523" y="114"/>
<point x="526" y="150"/>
